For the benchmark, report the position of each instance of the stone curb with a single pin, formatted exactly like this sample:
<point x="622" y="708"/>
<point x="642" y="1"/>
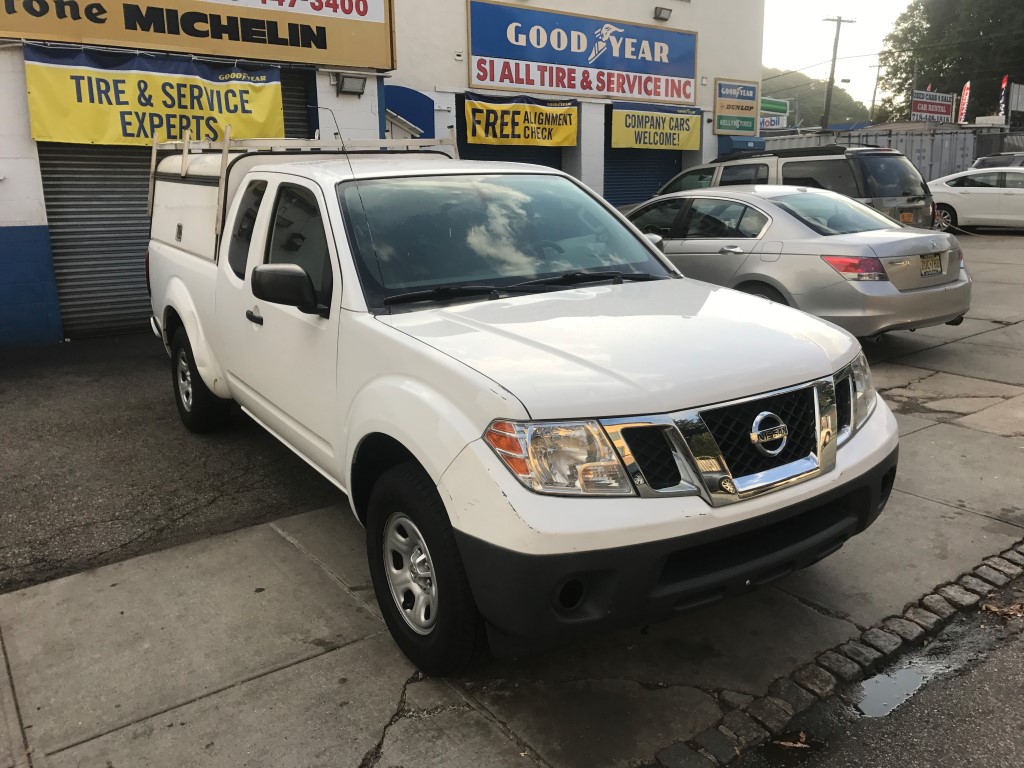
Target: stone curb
<point x="766" y="717"/>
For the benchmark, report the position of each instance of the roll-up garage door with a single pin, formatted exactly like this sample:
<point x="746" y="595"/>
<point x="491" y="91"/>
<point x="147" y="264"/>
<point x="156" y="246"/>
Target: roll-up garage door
<point x="99" y="230"/>
<point x="549" y="156"/>
<point x="633" y="175"/>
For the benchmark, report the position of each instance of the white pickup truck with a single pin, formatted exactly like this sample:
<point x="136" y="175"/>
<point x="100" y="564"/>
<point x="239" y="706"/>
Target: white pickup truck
<point x="542" y="425"/>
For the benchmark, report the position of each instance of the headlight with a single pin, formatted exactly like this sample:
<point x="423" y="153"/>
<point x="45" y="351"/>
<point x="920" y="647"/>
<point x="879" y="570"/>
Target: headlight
<point x="568" y="457"/>
<point x="863" y="391"/>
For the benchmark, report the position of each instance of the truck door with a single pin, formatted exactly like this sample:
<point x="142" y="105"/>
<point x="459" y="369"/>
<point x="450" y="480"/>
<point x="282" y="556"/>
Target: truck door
<point x="281" y="363"/>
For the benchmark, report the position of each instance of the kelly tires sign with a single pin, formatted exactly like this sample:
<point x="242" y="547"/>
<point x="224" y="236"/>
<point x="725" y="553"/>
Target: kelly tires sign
<point x="931" y="107"/>
<point x="646" y="126"/>
<point x="519" y="48"/>
<point x="334" y="32"/>
<point x="736" y="108"/>
<point x="521" y="120"/>
<point x="88" y="98"/>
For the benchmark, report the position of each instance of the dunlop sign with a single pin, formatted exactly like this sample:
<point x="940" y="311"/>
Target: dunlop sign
<point x="521" y="120"/>
<point x="336" y="32"/>
<point x="736" y="108"/>
<point x="646" y="126"/>
<point x="86" y="98"/>
<point x="517" y="48"/>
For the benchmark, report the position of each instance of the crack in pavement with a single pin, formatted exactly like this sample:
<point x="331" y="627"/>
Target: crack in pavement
<point x="823" y="610"/>
<point x="372" y="756"/>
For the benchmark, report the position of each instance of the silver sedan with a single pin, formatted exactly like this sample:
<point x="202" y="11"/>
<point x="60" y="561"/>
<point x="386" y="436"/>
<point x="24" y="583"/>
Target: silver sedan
<point x="815" y="250"/>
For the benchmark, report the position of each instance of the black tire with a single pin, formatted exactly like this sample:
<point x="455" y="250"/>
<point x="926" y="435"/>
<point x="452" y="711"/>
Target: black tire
<point x="765" y="292"/>
<point x="945" y="218"/>
<point x="200" y="410"/>
<point x="457" y="638"/>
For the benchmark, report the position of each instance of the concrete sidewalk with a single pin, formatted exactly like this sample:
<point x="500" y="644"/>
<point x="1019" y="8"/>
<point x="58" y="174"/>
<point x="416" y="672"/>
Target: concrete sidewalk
<point x="263" y="647"/>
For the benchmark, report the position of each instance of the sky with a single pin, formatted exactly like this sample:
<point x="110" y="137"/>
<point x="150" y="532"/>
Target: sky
<point x="795" y="37"/>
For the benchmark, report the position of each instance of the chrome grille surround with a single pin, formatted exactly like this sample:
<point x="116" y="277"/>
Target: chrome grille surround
<point x="703" y="468"/>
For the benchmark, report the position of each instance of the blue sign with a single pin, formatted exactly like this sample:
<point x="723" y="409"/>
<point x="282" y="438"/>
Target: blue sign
<point x="736" y="91"/>
<point x="527" y="49"/>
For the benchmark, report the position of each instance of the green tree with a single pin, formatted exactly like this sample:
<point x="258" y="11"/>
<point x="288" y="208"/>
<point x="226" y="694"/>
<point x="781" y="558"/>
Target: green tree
<point x="807" y="98"/>
<point x="950" y="42"/>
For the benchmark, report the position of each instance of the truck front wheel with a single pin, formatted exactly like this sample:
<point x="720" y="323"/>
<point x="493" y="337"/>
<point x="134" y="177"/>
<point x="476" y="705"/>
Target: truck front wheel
<point x="418" y="576"/>
<point x="200" y="410"/>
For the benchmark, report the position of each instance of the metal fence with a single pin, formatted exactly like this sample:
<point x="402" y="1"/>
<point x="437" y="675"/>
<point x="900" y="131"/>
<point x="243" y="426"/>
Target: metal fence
<point x="935" y="153"/>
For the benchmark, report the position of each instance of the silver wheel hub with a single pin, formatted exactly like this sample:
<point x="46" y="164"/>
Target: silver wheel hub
<point x="410" y="573"/>
<point x="184" y="376"/>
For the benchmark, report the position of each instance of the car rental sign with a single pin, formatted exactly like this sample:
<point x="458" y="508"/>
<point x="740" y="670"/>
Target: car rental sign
<point x="931" y="107"/>
<point x="337" y="32"/>
<point x="526" y="49"/>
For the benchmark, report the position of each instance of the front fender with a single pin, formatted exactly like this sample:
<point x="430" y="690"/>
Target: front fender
<point x="427" y="422"/>
<point x="179" y="300"/>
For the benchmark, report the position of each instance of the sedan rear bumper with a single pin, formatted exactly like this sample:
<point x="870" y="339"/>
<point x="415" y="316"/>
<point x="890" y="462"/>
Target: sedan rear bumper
<point x="869" y="308"/>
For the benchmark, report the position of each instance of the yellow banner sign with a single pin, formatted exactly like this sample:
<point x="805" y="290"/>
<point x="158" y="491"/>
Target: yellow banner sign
<point x="82" y="98"/>
<point x="647" y="127"/>
<point x="521" y="120"/>
<point x="336" y="32"/>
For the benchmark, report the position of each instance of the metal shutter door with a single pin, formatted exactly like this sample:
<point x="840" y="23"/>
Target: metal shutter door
<point x="633" y="175"/>
<point x="549" y="156"/>
<point x="99" y="231"/>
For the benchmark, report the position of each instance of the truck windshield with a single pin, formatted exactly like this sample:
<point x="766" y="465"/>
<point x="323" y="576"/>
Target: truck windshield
<point x="449" y="238"/>
<point x="890" y="176"/>
<point x="833" y="214"/>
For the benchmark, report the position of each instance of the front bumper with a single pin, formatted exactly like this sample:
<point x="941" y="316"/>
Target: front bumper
<point x="546" y="569"/>
<point x="869" y="308"/>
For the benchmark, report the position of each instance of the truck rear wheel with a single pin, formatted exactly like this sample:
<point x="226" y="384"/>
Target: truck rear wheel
<point x="418" y="576"/>
<point x="200" y="410"/>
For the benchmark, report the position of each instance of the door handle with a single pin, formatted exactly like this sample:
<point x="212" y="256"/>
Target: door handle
<point x="733" y="249"/>
<point x="253" y="317"/>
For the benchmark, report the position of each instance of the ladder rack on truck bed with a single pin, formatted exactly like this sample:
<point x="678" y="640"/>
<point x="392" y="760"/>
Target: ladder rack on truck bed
<point x="237" y="147"/>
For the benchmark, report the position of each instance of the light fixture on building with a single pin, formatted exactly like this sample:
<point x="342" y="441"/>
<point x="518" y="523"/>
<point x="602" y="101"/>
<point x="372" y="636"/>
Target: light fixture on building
<point x="662" y="14"/>
<point x="351" y="84"/>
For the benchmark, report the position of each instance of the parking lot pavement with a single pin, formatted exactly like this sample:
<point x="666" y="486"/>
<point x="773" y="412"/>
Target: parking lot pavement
<point x="263" y="646"/>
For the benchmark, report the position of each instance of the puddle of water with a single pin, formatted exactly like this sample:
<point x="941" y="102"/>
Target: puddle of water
<point x="881" y="694"/>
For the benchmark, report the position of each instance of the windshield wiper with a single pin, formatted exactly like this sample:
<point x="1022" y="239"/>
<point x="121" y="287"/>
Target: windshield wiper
<point x="578" y="278"/>
<point x="442" y="292"/>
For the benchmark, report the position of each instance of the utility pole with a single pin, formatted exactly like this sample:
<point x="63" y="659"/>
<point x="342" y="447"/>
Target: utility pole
<point x="874" y="93"/>
<point x="839" y="20"/>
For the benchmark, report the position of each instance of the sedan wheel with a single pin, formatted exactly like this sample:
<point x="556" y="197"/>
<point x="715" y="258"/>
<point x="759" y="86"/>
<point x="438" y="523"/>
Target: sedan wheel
<point x="945" y="218"/>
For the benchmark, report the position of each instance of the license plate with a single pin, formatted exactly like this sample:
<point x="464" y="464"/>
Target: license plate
<point x="906" y="217"/>
<point x="931" y="265"/>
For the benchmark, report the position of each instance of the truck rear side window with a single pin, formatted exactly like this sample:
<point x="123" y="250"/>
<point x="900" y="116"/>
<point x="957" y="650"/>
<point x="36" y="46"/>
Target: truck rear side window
<point x="241" y="234"/>
<point x="835" y="175"/>
<point x="297" y="236"/>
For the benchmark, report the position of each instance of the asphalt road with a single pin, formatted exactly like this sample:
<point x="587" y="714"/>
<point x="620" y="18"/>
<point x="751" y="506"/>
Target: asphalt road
<point x="95" y="466"/>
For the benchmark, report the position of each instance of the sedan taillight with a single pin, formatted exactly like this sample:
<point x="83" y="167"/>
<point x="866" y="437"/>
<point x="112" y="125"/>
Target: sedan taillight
<point x="857" y="268"/>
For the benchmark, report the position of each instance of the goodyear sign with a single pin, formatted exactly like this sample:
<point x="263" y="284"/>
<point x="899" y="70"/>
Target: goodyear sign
<point x="646" y="126"/>
<point x="736" y="107"/>
<point x="521" y="120"/>
<point x="519" y="48"/>
<point x="337" y="32"/>
<point x="87" y="98"/>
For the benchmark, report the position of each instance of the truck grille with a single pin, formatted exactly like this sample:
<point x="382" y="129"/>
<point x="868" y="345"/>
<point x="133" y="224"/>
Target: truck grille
<point x="731" y="426"/>
<point x="653" y="455"/>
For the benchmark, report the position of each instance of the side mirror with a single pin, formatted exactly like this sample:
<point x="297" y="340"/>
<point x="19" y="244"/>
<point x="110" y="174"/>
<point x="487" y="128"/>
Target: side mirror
<point x="656" y="240"/>
<point x="286" y="284"/>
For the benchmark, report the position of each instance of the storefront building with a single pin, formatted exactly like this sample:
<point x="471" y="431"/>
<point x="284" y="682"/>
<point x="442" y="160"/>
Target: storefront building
<point x="86" y="85"/>
<point x="619" y="93"/>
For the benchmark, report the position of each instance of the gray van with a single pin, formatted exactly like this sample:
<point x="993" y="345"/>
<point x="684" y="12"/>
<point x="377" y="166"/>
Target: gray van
<point x="878" y="176"/>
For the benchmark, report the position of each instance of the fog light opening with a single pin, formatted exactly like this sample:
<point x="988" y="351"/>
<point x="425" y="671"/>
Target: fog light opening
<point x="570" y="596"/>
<point x="887" y="482"/>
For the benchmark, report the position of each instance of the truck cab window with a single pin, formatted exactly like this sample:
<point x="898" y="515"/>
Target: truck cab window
<point x="241" y="233"/>
<point x="297" y="236"/>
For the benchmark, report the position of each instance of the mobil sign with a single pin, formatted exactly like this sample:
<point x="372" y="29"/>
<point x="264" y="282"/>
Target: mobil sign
<point x="525" y="49"/>
<point x="931" y="107"/>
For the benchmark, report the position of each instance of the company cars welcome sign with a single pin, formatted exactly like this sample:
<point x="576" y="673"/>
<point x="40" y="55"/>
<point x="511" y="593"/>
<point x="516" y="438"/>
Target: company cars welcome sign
<point x="521" y="49"/>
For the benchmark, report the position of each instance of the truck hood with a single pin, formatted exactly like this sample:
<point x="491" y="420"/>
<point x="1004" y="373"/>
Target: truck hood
<point x="632" y="349"/>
